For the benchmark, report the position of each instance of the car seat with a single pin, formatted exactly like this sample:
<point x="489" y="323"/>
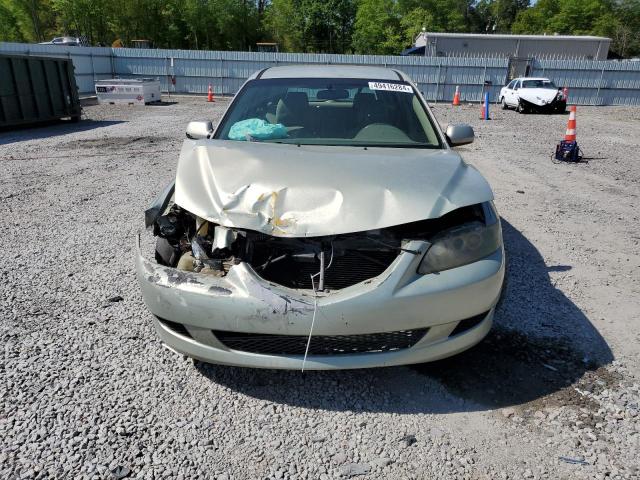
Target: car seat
<point x="293" y="110"/>
<point x="367" y="110"/>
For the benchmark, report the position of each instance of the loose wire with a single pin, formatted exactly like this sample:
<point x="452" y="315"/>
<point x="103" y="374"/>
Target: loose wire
<point x="313" y="321"/>
<point x="315" y="310"/>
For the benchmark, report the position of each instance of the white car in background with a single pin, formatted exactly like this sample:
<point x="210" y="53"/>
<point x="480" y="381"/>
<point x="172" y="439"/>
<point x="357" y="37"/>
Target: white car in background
<point x="533" y="95"/>
<point x="68" y="41"/>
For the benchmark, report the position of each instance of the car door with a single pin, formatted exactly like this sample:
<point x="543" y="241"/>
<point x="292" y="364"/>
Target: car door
<point x="507" y="92"/>
<point x="513" y="95"/>
<point x="503" y="91"/>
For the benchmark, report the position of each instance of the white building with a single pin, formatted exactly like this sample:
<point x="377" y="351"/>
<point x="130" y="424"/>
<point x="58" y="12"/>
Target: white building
<point x="519" y="46"/>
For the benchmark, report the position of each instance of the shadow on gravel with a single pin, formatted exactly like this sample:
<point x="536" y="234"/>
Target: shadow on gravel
<point x="541" y="343"/>
<point x="163" y="103"/>
<point x="51" y="129"/>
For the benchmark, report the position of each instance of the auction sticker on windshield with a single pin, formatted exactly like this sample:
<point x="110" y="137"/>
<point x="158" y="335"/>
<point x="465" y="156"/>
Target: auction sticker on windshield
<point x="390" y="87"/>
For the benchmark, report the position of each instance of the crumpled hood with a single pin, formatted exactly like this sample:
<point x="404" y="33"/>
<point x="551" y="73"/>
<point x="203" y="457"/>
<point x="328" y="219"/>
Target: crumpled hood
<point x="290" y="191"/>
<point x="538" y="96"/>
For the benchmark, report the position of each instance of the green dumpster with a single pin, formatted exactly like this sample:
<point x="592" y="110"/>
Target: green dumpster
<point x="37" y="89"/>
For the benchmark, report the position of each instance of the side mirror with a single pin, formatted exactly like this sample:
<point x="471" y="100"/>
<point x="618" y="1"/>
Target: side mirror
<point x="198" y="130"/>
<point x="461" y="134"/>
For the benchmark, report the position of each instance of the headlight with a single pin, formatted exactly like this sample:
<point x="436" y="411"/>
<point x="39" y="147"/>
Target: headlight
<point x="461" y="245"/>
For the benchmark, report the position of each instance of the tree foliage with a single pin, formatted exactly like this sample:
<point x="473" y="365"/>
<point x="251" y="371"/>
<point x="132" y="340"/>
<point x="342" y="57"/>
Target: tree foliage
<point x="311" y="25"/>
<point x="336" y="26"/>
<point x="377" y="27"/>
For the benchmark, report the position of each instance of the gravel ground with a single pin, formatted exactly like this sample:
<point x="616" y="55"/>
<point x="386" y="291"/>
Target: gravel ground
<point x="88" y="391"/>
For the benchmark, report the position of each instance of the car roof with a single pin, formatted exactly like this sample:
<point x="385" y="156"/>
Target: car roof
<point x="532" y="78"/>
<point x="332" y="71"/>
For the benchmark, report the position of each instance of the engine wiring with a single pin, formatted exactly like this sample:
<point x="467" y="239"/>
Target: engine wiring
<point x="385" y="244"/>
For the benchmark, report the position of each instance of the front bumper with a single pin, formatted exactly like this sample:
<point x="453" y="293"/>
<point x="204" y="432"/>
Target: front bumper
<point x="399" y="299"/>
<point x="556" y="105"/>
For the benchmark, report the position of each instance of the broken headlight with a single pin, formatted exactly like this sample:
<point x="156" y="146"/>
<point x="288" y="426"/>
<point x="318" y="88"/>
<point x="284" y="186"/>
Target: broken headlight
<point x="462" y="245"/>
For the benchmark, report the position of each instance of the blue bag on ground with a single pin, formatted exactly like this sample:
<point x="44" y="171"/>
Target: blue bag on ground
<point x="257" y="129"/>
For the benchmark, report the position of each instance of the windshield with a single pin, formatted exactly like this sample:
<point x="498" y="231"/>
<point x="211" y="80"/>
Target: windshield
<point x="316" y="111"/>
<point x="539" y="84"/>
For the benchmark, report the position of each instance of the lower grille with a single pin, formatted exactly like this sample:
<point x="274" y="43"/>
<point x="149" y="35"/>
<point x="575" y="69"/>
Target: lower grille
<point x="320" y="344"/>
<point x="175" y="327"/>
<point x="353" y="267"/>
<point x="468" y="324"/>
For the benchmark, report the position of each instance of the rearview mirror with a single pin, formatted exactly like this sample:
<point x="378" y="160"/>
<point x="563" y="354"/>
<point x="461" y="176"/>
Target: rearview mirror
<point x="461" y="134"/>
<point x="333" y="94"/>
<point x="198" y="130"/>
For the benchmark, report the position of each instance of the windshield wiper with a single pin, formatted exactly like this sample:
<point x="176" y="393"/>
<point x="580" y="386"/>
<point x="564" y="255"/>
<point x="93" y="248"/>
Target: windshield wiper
<point x="358" y="145"/>
<point x="398" y="145"/>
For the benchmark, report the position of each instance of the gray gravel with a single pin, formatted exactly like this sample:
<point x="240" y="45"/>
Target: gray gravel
<point x="88" y="391"/>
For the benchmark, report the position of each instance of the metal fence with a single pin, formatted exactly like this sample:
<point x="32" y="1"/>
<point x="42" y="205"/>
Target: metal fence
<point x="589" y="82"/>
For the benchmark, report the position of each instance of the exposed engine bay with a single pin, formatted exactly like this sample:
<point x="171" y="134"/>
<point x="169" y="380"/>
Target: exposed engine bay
<point x="326" y="263"/>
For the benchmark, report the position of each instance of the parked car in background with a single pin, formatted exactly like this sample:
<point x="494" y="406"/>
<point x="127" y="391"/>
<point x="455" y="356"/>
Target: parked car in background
<point x="533" y="95"/>
<point x="325" y="223"/>
<point x="68" y="41"/>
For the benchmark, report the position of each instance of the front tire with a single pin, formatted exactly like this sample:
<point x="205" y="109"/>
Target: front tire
<point x="503" y="103"/>
<point x="520" y="108"/>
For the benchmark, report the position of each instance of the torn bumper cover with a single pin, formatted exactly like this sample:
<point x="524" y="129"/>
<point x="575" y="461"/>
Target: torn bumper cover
<point x="553" y="106"/>
<point x="543" y="101"/>
<point x="398" y="317"/>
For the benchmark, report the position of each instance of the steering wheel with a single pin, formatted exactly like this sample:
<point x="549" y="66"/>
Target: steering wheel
<point x="381" y="132"/>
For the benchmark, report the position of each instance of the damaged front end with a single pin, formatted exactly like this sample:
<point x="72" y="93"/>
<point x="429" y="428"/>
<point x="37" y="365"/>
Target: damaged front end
<point x="242" y="268"/>
<point x="408" y="293"/>
<point x="546" y="102"/>
<point x="323" y="264"/>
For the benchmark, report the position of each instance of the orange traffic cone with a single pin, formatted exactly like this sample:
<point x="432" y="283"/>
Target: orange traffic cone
<point x="568" y="150"/>
<point x="570" y="136"/>
<point x="456" y="96"/>
<point x="210" y="95"/>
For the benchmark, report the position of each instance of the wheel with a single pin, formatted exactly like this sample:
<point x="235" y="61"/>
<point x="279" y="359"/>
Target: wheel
<point x="503" y="103"/>
<point x="520" y="108"/>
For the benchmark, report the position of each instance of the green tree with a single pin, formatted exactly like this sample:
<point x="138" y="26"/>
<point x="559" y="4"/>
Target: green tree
<point x="337" y="26"/>
<point x="377" y="27"/>
<point x="499" y="15"/>
<point x="311" y="25"/>
<point x="10" y="28"/>
<point x="412" y="23"/>
<point x="283" y="21"/>
<point x="82" y="17"/>
<point x="571" y="17"/>
<point x="30" y="20"/>
<point x="535" y="19"/>
<point x="436" y="16"/>
<point x="619" y="20"/>
<point x="579" y="17"/>
<point x="626" y="31"/>
<point x="445" y="15"/>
